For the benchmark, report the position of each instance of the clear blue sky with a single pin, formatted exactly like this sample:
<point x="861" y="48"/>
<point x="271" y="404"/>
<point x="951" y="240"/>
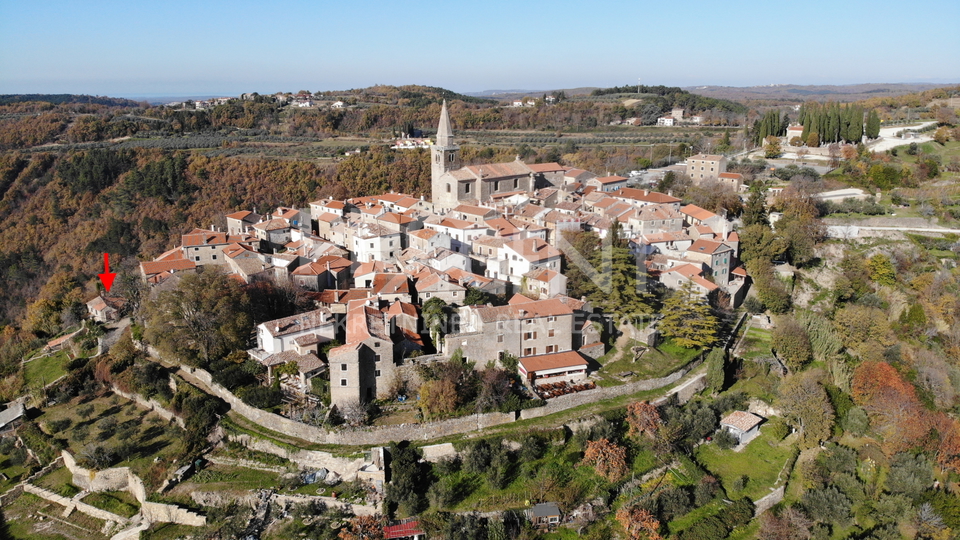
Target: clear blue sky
<point x="174" y="47"/>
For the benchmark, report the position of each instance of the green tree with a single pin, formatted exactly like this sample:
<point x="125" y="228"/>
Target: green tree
<point x="791" y="342"/>
<point x="687" y="319"/>
<point x="873" y="125"/>
<point x="772" y="148"/>
<point x="806" y="404"/>
<point x="475" y="297"/>
<point x="203" y="319"/>
<point x="619" y="281"/>
<point x="755" y="211"/>
<point x="882" y="270"/>
<point x="435" y="313"/>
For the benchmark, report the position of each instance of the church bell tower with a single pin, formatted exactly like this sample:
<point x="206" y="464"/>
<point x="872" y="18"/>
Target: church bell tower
<point x="444" y="157"/>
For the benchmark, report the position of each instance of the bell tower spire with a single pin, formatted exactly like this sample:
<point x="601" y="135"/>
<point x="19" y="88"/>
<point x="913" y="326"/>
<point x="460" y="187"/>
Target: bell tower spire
<point x="444" y="157"/>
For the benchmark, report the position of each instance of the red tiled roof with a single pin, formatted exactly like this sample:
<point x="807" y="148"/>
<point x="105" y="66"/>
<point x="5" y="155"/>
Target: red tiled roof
<point x="402" y="530"/>
<point x="533" y="249"/>
<point x="697" y="213"/>
<point x="612" y="179"/>
<point x="543" y="362"/>
<point x="156" y="267"/>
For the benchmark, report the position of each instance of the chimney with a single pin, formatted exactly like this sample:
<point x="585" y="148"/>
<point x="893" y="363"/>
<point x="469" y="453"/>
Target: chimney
<point x="276" y="329"/>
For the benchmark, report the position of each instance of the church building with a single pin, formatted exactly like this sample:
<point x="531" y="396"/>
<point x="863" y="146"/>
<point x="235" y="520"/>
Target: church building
<point x="453" y="185"/>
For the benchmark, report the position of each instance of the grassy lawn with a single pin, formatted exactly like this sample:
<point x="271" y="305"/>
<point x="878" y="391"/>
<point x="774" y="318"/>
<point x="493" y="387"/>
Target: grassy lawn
<point x="167" y="531"/>
<point x="654" y="363"/>
<point x="227" y="478"/>
<point x="59" y="481"/>
<point x="118" y="502"/>
<point x="761" y="461"/>
<point x="685" y="521"/>
<point x="756" y="344"/>
<point x="78" y="526"/>
<point x="43" y="371"/>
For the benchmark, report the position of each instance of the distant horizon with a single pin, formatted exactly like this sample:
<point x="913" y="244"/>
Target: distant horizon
<point x="157" y="96"/>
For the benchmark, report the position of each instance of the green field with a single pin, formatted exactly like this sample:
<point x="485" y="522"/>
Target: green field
<point x="135" y="436"/>
<point x="762" y="461"/>
<point x="118" y="502"/>
<point x="54" y="526"/>
<point x="43" y="371"/>
<point x="654" y="363"/>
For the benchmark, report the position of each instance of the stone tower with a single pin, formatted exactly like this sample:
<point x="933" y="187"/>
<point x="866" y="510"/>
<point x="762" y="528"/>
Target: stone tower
<point x="444" y="157"/>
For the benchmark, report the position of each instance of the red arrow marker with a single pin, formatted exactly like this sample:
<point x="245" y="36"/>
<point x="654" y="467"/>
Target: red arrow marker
<point x="107" y="276"/>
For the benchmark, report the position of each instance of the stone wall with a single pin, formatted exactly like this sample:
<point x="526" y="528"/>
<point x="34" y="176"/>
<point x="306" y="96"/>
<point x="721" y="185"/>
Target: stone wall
<point x="80" y="506"/>
<point x="168" y="513"/>
<point x="117" y="479"/>
<point x="122" y="479"/>
<point x="309" y="459"/>
<point x="558" y="404"/>
<point x="767" y="502"/>
<point x="436" y="452"/>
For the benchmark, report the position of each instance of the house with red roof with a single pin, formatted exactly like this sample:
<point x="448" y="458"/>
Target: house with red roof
<point x="408" y="529"/>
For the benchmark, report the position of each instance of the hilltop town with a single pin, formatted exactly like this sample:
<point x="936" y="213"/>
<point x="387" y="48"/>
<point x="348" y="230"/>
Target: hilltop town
<point x="431" y="338"/>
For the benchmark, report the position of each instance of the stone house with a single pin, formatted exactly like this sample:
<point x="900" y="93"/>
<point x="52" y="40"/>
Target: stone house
<point x="528" y="328"/>
<point x="280" y="334"/>
<point x="742" y="425"/>
<point x="705" y="167"/>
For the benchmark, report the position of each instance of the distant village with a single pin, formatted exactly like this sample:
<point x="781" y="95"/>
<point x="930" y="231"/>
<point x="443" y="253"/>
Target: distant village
<point x="371" y="263"/>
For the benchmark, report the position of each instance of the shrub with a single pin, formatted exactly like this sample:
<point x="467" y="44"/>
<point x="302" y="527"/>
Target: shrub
<point x="725" y="439"/>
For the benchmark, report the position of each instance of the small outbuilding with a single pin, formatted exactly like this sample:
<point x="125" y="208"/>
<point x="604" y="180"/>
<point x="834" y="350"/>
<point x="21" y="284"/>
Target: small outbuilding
<point x="544" y="514"/>
<point x="407" y="529"/>
<point x="742" y="425"/>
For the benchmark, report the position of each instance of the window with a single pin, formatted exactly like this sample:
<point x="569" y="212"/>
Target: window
<point x="376" y="344"/>
<point x="198" y="258"/>
<point x="551" y="333"/>
<point x="496" y="186"/>
<point x="426" y="295"/>
<point x="499" y="338"/>
<point x="499" y="325"/>
<point x="516" y="183"/>
<point x="551" y="349"/>
<point x="343" y="382"/>
<point x="451" y="157"/>
<point x="343" y="367"/>
<point x="214" y="257"/>
<point x="528" y="351"/>
<point x="391" y="243"/>
<point x="376" y="373"/>
<point x="371" y="245"/>
<point x="455" y="293"/>
<point x="196" y="249"/>
<point x="448" y="188"/>
<point x="466" y="188"/>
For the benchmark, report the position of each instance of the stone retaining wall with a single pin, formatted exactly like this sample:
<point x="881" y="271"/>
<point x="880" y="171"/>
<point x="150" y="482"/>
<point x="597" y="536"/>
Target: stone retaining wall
<point x="71" y="504"/>
<point x="123" y="479"/>
<point x="374" y="436"/>
<point x="767" y="502"/>
<point x="309" y="459"/>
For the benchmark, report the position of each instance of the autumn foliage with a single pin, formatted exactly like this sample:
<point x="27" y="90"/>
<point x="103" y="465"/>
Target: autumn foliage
<point x="639" y="523"/>
<point x="643" y="418"/>
<point x="891" y="402"/>
<point x="608" y="458"/>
